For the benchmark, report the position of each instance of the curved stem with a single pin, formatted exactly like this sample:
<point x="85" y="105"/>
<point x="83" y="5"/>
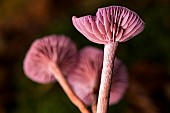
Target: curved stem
<point x="106" y="77"/>
<point x="67" y="89"/>
<point x="94" y="105"/>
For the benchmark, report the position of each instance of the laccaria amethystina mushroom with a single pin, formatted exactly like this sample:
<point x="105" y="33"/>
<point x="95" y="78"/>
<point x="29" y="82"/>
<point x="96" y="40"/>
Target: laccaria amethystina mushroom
<point x="52" y="58"/>
<point x="85" y="78"/>
<point x="50" y="50"/>
<point x="111" y="25"/>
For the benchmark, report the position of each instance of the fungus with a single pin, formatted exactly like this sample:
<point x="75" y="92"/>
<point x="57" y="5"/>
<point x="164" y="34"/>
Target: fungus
<point x="110" y="26"/>
<point x="52" y="58"/>
<point x="85" y="78"/>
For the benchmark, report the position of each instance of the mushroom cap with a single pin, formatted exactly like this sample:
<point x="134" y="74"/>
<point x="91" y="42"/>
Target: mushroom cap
<point x="85" y="78"/>
<point x="119" y="81"/>
<point x="57" y="49"/>
<point x="113" y="23"/>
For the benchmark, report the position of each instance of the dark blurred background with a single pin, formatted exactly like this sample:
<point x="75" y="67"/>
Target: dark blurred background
<point x="147" y="56"/>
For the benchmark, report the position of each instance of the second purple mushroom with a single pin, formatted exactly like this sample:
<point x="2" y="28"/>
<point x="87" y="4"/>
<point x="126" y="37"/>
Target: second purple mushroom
<point x="51" y="58"/>
<point x="85" y="78"/>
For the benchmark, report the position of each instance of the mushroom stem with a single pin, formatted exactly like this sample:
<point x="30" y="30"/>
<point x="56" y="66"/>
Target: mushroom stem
<point x="67" y="89"/>
<point x="106" y="77"/>
<point x="94" y="105"/>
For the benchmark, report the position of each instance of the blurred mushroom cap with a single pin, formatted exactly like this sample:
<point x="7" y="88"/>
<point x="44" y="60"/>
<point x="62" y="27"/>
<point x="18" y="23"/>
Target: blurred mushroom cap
<point x="56" y="49"/>
<point x="85" y="78"/>
<point x="113" y="23"/>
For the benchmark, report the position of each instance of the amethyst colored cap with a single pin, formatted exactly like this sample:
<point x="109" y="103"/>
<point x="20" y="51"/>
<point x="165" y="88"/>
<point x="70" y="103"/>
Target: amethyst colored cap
<point x="119" y="81"/>
<point x="113" y="23"/>
<point x="57" y="49"/>
<point x="85" y="78"/>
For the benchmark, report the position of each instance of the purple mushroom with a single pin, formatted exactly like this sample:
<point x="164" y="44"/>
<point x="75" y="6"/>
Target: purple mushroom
<point x="110" y="26"/>
<point x="85" y="78"/>
<point x="52" y="58"/>
<point x="57" y="50"/>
